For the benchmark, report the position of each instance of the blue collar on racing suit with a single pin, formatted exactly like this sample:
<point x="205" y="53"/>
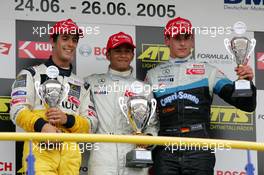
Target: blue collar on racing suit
<point x="180" y="60"/>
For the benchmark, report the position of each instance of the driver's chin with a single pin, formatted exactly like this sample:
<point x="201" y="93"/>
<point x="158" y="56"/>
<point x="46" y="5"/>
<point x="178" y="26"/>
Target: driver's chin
<point x="183" y="54"/>
<point x="67" y="57"/>
<point x="121" y="69"/>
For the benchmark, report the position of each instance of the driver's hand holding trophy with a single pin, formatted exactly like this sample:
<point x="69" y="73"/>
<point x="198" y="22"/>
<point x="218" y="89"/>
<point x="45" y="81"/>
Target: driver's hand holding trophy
<point x="240" y="48"/>
<point x="139" y="110"/>
<point x="52" y="93"/>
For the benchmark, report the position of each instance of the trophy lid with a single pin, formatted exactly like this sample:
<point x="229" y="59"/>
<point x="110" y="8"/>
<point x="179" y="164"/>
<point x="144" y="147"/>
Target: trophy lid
<point x="52" y="72"/>
<point x="137" y="87"/>
<point x="240" y="27"/>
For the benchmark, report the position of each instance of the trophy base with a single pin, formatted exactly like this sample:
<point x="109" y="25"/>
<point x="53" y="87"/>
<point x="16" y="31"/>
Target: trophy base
<point x="242" y="89"/>
<point x="139" y="158"/>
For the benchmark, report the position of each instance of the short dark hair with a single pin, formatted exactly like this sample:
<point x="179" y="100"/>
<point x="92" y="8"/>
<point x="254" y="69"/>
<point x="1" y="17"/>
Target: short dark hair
<point x="55" y="38"/>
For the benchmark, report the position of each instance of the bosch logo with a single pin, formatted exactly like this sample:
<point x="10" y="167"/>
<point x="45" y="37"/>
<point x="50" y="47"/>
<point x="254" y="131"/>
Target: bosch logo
<point x="85" y="50"/>
<point x="6" y="166"/>
<point x="99" y="51"/>
<point x="218" y="172"/>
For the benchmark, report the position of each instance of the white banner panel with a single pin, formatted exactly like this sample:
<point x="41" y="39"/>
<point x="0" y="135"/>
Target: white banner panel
<point x="7" y="49"/>
<point x="259" y="126"/>
<point x="151" y="12"/>
<point x="233" y="162"/>
<point x="7" y="158"/>
<point x="203" y="13"/>
<point x="260" y="116"/>
<point x="210" y="48"/>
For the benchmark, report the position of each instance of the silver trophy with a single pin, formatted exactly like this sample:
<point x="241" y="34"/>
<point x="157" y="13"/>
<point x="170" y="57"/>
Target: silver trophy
<point x="240" y="48"/>
<point x="138" y="111"/>
<point x="52" y="92"/>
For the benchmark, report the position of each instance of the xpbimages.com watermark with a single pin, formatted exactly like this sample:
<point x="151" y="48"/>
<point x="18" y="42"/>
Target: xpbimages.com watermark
<point x="211" y="31"/>
<point x="129" y="89"/>
<point x="238" y="27"/>
<point x="47" y="30"/>
<point x="68" y="146"/>
<point x="183" y="146"/>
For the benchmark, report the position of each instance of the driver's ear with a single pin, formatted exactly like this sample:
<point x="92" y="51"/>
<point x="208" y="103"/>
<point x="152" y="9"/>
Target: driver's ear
<point x="167" y="41"/>
<point x="108" y="55"/>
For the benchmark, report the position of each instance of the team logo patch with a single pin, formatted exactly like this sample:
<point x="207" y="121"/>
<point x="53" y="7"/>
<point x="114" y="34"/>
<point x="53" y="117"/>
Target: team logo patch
<point x="195" y="71"/>
<point x="178" y="96"/>
<point x="165" y="79"/>
<point x="129" y="93"/>
<point x="18" y="101"/>
<point x="21" y="81"/>
<point x="76" y="82"/>
<point x="168" y="110"/>
<point x="100" y="92"/>
<point x="197" y="66"/>
<point x="75" y="90"/>
<point x="74" y="100"/>
<point x="19" y="93"/>
<point x="165" y="71"/>
<point x="91" y="112"/>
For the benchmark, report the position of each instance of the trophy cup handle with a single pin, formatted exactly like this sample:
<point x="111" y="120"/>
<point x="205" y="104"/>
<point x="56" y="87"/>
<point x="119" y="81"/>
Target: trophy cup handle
<point x="153" y="108"/>
<point x="122" y="104"/>
<point x="228" y="46"/>
<point x="66" y="90"/>
<point x="37" y="88"/>
<point x="252" y="46"/>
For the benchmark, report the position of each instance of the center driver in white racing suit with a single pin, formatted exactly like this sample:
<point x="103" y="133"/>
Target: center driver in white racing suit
<point x="110" y="158"/>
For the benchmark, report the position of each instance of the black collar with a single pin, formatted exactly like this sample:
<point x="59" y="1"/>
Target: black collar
<point x="63" y="72"/>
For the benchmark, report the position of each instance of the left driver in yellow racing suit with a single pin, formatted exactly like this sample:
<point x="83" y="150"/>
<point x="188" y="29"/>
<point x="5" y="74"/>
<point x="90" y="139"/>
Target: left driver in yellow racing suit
<point x="75" y="114"/>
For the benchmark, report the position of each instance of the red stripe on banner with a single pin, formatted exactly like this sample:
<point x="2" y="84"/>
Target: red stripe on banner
<point x="260" y="60"/>
<point x="5" y="47"/>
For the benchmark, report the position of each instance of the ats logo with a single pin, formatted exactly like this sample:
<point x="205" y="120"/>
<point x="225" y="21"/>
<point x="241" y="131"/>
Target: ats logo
<point x="4" y="108"/>
<point x="32" y="49"/>
<point x="154" y="53"/>
<point x="260" y="60"/>
<point x="230" y="115"/>
<point x="4" y="48"/>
